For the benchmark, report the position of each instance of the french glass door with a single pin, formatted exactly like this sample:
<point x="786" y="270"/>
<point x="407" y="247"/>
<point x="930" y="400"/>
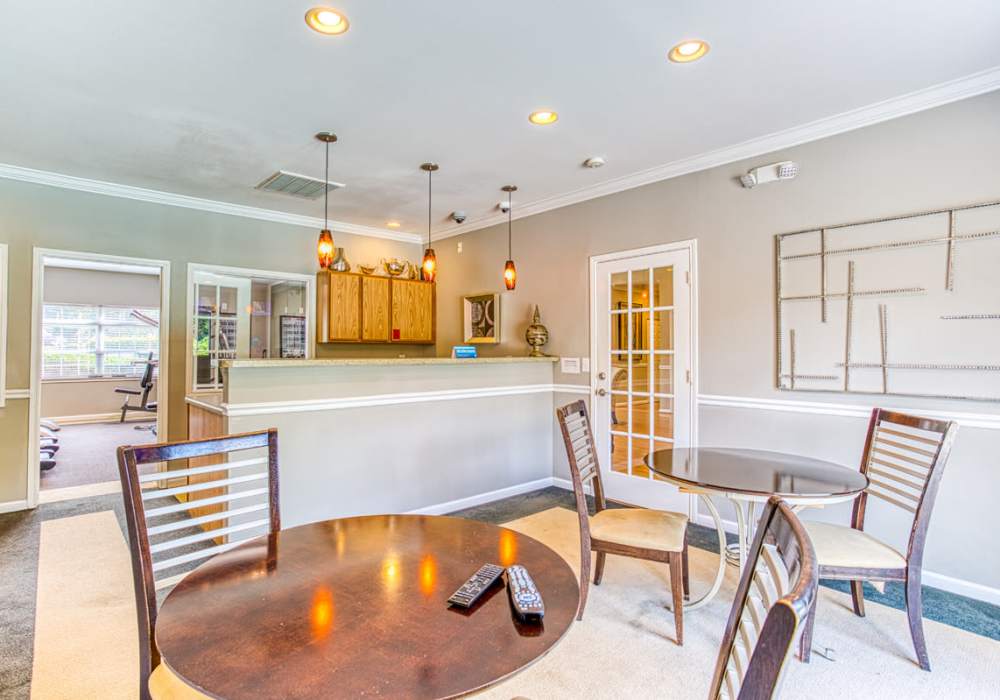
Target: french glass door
<point x="642" y="381"/>
<point x="221" y="325"/>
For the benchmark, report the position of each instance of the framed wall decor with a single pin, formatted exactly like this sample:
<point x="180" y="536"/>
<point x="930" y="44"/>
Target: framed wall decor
<point x="481" y="318"/>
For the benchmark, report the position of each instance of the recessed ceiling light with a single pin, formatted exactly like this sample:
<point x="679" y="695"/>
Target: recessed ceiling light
<point x="543" y="116"/>
<point x="392" y="224"/>
<point x="326" y="20"/>
<point x="688" y="51"/>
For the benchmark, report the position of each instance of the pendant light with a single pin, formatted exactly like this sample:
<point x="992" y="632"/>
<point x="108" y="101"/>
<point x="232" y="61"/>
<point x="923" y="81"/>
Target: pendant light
<point x="324" y="247"/>
<point x="428" y="266"/>
<point x="509" y="271"/>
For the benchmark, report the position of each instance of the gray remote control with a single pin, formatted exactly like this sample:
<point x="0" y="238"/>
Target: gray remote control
<point x="472" y="589"/>
<point x="525" y="598"/>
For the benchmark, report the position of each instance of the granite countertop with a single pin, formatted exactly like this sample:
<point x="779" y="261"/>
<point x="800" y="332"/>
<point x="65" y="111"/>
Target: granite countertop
<point x="362" y="361"/>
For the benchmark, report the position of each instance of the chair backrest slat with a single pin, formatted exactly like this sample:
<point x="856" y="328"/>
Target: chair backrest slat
<point x="584" y="466"/>
<point x="904" y="459"/>
<point x="224" y="505"/>
<point x="776" y="591"/>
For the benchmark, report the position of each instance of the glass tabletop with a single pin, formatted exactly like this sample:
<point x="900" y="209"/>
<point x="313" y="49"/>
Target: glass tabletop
<point x="756" y="472"/>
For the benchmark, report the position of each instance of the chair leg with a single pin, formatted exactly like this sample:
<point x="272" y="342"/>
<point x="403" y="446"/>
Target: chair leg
<point x="858" y="595"/>
<point x="915" y="616"/>
<point x="677" y="589"/>
<point x="599" y="568"/>
<point x="806" y="640"/>
<point x="685" y="574"/>
<point x="124" y="410"/>
<point x="584" y="581"/>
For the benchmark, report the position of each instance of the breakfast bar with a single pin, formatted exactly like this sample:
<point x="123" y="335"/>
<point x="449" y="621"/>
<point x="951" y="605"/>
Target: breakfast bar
<point x="362" y="436"/>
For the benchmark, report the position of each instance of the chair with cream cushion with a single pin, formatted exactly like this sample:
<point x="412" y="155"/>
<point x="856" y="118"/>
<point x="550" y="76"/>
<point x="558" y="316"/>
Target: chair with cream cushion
<point x="632" y="532"/>
<point x="231" y="489"/>
<point x="904" y="458"/>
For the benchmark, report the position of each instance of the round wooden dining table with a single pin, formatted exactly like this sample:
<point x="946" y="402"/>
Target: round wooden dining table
<point x="748" y="477"/>
<point x="357" y="607"/>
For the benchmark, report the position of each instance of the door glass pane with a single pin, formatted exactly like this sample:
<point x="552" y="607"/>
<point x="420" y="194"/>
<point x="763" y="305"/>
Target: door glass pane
<point x="640" y="448"/>
<point x="206" y="299"/>
<point x="640" y="330"/>
<point x="663" y="330"/>
<point x="640" y="372"/>
<point x="619" y="413"/>
<point x="640" y="416"/>
<point x="228" y="301"/>
<point x="663" y="286"/>
<point x="619" y="377"/>
<point x="619" y="332"/>
<point x="663" y="418"/>
<point x="640" y="288"/>
<point x="619" y="453"/>
<point x="663" y="373"/>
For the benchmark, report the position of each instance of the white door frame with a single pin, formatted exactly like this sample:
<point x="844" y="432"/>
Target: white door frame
<point x="35" y="394"/>
<point x="597" y="314"/>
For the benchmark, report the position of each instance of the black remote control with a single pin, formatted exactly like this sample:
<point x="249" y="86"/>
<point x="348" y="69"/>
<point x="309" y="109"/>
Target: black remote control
<point x="525" y="598"/>
<point x="472" y="589"/>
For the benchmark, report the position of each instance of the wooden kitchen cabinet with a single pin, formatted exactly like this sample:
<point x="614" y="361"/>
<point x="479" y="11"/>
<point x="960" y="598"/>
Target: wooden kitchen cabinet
<point x="374" y="309"/>
<point x="353" y="308"/>
<point x="413" y="319"/>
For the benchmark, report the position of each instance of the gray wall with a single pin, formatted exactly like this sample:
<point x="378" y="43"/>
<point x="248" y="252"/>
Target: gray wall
<point x="36" y="215"/>
<point x="942" y="157"/>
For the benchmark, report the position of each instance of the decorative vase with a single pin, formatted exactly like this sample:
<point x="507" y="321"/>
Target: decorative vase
<point x="394" y="267"/>
<point x="340" y="263"/>
<point x="536" y="335"/>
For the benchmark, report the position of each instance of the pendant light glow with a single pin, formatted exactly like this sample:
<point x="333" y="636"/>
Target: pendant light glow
<point x="688" y="51"/>
<point x="509" y="270"/>
<point x="324" y="246"/>
<point x="543" y="117"/>
<point x="428" y="266"/>
<point x="327" y="20"/>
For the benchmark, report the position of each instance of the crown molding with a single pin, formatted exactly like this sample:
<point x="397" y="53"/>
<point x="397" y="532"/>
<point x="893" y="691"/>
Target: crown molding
<point x="113" y="189"/>
<point x="910" y="103"/>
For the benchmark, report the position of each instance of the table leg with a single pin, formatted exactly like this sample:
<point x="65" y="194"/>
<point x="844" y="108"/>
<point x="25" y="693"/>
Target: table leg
<point x="720" y="575"/>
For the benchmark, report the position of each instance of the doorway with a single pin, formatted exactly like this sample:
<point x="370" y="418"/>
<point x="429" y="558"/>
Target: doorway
<point x="96" y="372"/>
<point x="643" y="350"/>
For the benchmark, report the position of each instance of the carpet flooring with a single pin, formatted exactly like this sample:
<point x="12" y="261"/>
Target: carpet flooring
<point x="19" y="556"/>
<point x="84" y="450"/>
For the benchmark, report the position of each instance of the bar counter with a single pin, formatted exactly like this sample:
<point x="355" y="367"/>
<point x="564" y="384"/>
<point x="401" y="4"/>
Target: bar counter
<point x="365" y="436"/>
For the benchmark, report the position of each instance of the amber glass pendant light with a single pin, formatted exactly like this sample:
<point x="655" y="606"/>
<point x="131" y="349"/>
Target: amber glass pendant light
<point x="509" y="271"/>
<point x="428" y="266"/>
<point x="324" y="247"/>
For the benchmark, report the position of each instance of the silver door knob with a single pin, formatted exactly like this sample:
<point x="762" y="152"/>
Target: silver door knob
<point x="602" y="392"/>
<point x="602" y="375"/>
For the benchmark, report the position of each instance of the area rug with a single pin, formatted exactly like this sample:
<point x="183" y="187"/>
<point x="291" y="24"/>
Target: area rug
<point x="624" y="647"/>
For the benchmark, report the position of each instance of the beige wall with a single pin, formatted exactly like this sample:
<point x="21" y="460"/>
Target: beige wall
<point x="35" y="215"/>
<point x="946" y="156"/>
<point x="93" y="397"/>
<point x="70" y="286"/>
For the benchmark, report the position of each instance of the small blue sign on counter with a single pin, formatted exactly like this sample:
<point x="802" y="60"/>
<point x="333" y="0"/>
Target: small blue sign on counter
<point x="463" y="351"/>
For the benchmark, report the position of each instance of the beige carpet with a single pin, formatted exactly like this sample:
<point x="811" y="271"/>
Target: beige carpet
<point x="624" y="647"/>
<point x="85" y="638"/>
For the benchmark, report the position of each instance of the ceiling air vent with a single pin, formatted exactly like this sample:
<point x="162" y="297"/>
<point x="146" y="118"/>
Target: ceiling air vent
<point x="296" y="185"/>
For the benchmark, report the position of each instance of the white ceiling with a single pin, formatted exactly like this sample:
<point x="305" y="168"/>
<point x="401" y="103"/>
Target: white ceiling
<point x="207" y="98"/>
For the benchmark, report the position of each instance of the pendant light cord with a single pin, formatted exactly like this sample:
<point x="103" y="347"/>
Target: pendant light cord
<point x="326" y="190"/>
<point x="430" y="191"/>
<point x="510" y="213"/>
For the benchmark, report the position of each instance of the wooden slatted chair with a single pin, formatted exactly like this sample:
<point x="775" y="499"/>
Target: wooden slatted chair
<point x="904" y="458"/>
<point x="776" y="592"/>
<point x="166" y="539"/>
<point x="642" y="533"/>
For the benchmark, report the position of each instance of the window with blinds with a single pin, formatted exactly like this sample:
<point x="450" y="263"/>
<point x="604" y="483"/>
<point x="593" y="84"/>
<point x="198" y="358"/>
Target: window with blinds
<point x="80" y="341"/>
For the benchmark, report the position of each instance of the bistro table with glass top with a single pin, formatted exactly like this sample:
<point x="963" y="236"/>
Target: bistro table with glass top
<point x="748" y="477"/>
